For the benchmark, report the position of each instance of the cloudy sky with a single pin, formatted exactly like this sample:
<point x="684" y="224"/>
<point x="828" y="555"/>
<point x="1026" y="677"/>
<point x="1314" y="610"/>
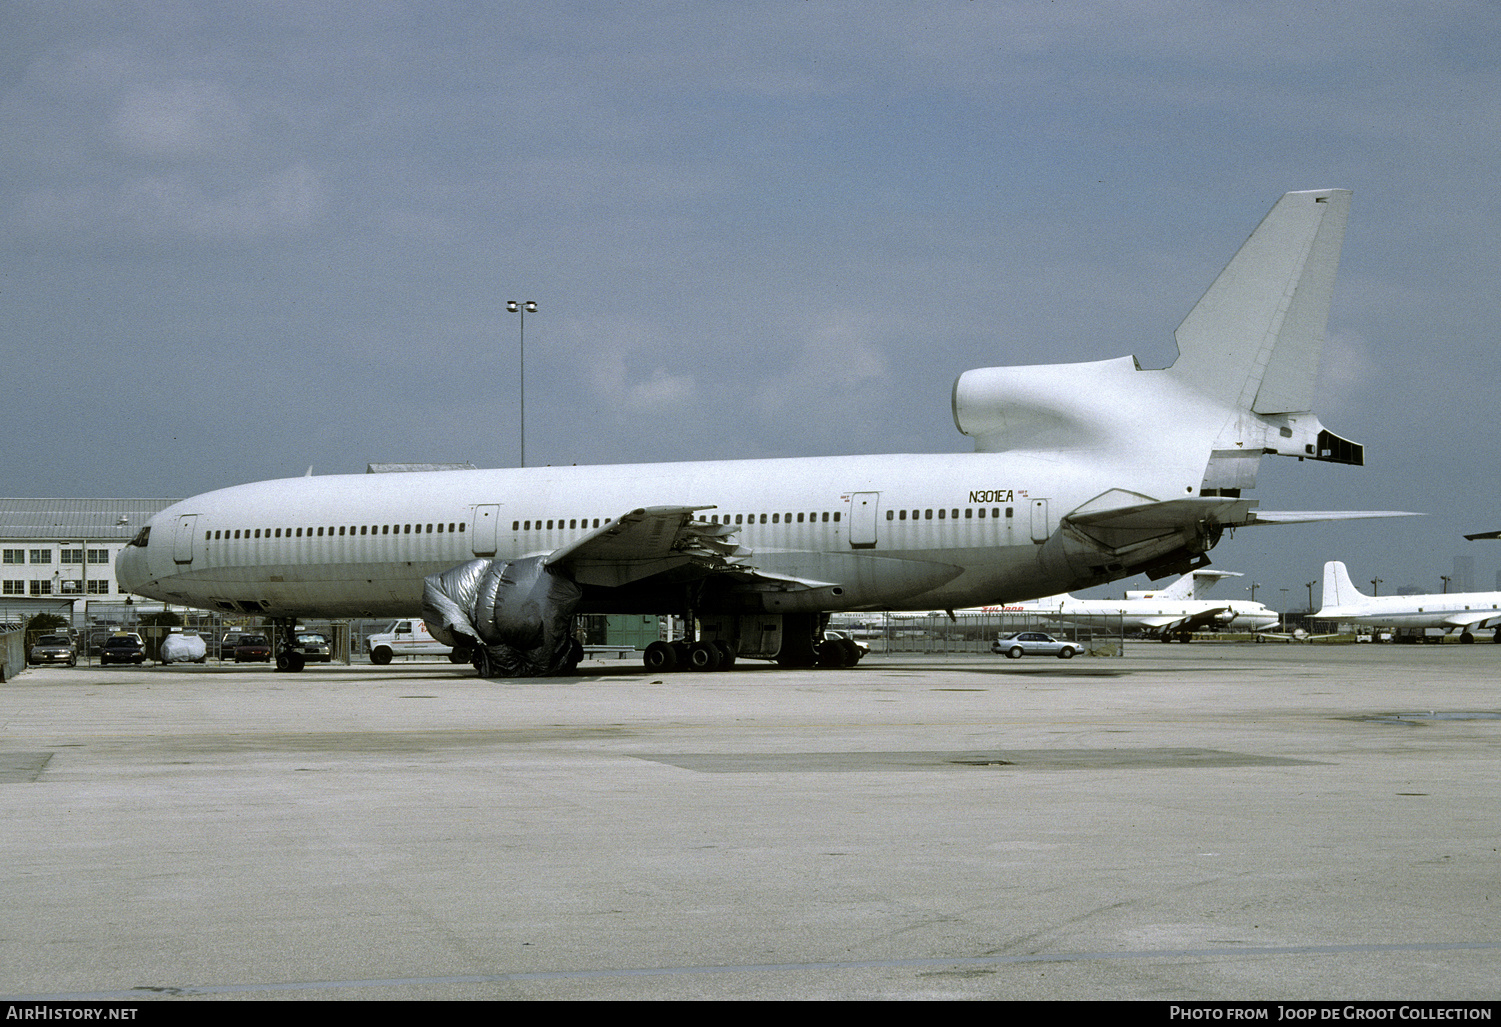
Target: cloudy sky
<point x="245" y="238"/>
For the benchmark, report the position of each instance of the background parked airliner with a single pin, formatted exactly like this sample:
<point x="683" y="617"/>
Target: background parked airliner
<point x="1466" y="612"/>
<point x="1176" y="611"/>
<point x="1081" y="474"/>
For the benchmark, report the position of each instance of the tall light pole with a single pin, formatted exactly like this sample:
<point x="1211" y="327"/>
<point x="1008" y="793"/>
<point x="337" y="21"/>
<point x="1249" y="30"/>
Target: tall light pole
<point x="1445" y="579"/>
<point x="1310" y="596"/>
<point x="523" y="308"/>
<point x="1376" y="585"/>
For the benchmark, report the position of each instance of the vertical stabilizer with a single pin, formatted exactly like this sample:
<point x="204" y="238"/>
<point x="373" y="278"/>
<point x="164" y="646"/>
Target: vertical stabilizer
<point x="1206" y="578"/>
<point x="1256" y="336"/>
<point x="1339" y="590"/>
<point x="1182" y="588"/>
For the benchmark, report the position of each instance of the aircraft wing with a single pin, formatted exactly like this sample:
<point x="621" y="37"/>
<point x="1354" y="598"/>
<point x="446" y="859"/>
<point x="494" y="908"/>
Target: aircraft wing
<point x="1472" y="618"/>
<point x="1169" y="624"/>
<point x="648" y="541"/>
<point x="1202" y="619"/>
<point x="1484" y="534"/>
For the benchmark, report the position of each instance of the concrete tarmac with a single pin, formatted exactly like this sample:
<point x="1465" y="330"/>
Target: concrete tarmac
<point x="1199" y="822"/>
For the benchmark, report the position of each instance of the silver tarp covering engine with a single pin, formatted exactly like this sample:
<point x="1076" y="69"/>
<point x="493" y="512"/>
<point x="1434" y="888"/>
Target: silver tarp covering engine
<point x="516" y="616"/>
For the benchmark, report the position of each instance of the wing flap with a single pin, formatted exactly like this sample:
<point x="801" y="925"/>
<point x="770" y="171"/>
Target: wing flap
<point x="648" y="541"/>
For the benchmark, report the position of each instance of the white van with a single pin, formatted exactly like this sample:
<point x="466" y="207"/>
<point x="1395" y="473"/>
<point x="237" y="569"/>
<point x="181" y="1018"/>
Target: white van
<point x="406" y="638"/>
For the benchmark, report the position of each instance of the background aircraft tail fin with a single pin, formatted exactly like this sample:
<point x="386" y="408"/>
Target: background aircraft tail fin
<point x="1256" y="336"/>
<point x="1339" y="590"/>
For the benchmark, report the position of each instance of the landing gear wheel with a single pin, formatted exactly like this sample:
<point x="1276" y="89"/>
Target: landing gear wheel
<point x="831" y="654"/>
<point x="480" y="657"/>
<point x="726" y="654"/>
<point x="458" y="656"/>
<point x="660" y="658"/>
<point x="290" y="660"/>
<point x="703" y="656"/>
<point x="1465" y="638"/>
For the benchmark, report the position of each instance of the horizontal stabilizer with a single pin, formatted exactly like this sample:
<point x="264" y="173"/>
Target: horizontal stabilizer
<point x="1484" y="534"/>
<point x="1310" y="516"/>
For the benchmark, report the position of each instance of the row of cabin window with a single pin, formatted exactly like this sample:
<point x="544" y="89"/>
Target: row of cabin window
<point x="371" y="529"/>
<point x="812" y="518"/>
<point x="927" y="515"/>
<point x="776" y="518"/>
<point x="577" y="522"/>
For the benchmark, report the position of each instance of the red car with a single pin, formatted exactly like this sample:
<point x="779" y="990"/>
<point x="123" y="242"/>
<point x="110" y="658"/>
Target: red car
<point x="253" y="649"/>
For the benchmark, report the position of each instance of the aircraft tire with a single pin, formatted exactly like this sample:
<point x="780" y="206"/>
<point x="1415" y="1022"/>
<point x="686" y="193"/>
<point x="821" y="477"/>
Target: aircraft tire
<point x="726" y="654"/>
<point x="459" y="656"/>
<point x="1465" y="638"/>
<point x="831" y="654"/>
<point x="660" y="658"/>
<point x="380" y="655"/>
<point x="290" y="660"/>
<point x="703" y="656"/>
<point x="852" y="652"/>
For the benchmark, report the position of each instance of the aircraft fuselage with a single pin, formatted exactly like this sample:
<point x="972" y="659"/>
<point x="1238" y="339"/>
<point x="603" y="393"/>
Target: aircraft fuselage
<point x="896" y="532"/>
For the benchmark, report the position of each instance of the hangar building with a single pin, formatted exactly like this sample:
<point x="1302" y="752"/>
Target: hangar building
<point x="56" y="554"/>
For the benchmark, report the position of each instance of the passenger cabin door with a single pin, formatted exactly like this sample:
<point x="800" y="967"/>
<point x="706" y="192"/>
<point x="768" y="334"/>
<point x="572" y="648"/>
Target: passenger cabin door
<point x="182" y="538"/>
<point x="1040" y="528"/>
<point x="863" y="507"/>
<point x="486" y="529"/>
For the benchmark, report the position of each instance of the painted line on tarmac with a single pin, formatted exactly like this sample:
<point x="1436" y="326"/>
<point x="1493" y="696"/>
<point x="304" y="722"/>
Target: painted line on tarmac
<point x="861" y="964"/>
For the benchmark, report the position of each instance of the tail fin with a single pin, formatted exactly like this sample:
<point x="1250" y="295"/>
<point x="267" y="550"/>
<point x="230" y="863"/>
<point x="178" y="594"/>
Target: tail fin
<point x="1205" y="579"/>
<point x="1255" y="337"/>
<point x="1193" y="585"/>
<point x="1339" y="590"/>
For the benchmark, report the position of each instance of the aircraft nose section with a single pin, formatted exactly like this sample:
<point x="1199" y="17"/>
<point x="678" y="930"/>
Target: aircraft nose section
<point x="130" y="568"/>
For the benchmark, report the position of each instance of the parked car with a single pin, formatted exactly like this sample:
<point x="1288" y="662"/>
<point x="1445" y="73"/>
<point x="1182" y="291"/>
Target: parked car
<point x="315" y="647"/>
<point x="225" y="648"/>
<point x="53" y="649"/>
<point x="252" y="649"/>
<point x="183" y="647"/>
<point x="122" y="647"/>
<point x="1034" y="643"/>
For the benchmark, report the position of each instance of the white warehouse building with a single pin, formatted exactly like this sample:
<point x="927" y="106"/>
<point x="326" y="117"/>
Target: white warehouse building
<point x="57" y="555"/>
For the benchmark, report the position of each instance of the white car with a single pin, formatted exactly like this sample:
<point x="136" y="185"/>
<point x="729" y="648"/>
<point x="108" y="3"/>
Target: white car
<point x="1035" y="643"/>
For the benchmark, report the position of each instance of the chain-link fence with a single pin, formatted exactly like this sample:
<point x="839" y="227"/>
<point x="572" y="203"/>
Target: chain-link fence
<point x="967" y="632"/>
<point x="100" y="621"/>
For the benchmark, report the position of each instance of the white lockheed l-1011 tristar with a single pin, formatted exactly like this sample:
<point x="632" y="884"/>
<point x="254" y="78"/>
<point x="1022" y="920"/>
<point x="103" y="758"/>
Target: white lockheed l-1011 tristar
<point x="1082" y="474"/>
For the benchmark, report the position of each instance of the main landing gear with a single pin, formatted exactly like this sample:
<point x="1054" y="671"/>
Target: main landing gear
<point x="791" y="640"/>
<point x="289" y="658"/>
